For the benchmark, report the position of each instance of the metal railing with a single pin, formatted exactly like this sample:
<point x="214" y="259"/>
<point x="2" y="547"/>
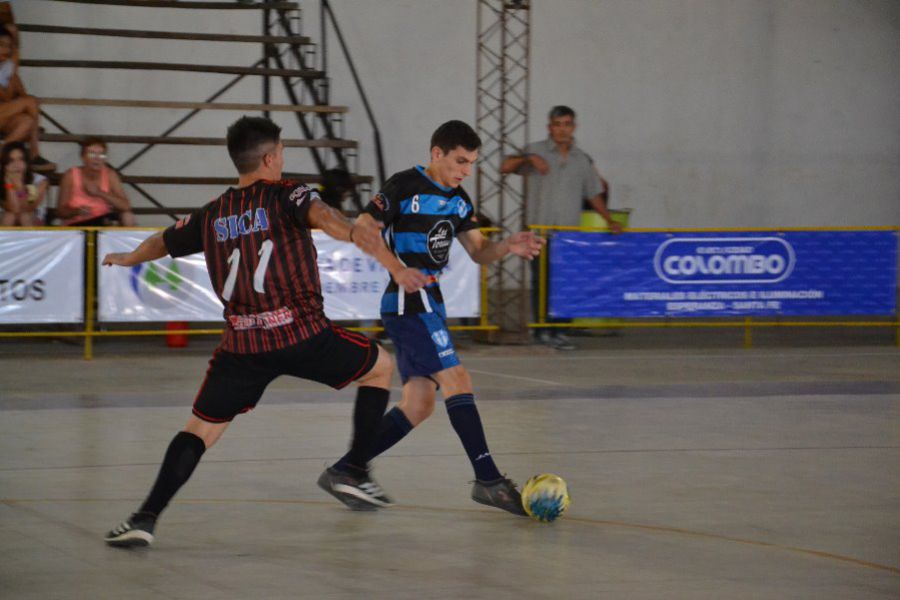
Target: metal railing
<point x="91" y="326"/>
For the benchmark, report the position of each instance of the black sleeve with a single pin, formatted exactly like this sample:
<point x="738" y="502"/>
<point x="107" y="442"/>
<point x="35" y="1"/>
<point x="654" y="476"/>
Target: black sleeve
<point x="385" y="205"/>
<point x="185" y="237"/>
<point x="297" y="199"/>
<point x="469" y="220"/>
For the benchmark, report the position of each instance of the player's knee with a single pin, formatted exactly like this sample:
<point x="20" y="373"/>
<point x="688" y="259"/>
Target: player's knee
<point x="455" y="381"/>
<point x="382" y="369"/>
<point x="417" y="413"/>
<point x="385" y="362"/>
<point x="417" y="407"/>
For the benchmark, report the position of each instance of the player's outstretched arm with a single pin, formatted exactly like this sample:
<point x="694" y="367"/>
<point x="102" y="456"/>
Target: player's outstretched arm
<point x="331" y="221"/>
<point x="483" y="251"/>
<point x="150" y="249"/>
<point x="365" y="233"/>
<point x="367" y="236"/>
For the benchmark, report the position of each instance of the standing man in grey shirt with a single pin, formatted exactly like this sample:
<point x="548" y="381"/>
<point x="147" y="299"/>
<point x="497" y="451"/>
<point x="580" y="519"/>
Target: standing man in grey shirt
<point x="559" y="176"/>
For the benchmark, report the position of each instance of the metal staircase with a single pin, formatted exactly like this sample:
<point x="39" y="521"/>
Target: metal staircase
<point x="288" y="60"/>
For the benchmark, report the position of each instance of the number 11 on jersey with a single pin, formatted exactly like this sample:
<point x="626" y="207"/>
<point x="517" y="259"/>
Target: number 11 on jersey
<point x="259" y="274"/>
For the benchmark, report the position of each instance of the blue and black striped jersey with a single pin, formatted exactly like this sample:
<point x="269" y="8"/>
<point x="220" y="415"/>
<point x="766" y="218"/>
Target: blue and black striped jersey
<point x="421" y="217"/>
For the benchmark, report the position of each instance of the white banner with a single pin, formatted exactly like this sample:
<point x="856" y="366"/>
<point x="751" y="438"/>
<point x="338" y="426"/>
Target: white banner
<point x="41" y="277"/>
<point x="163" y="290"/>
<point x="179" y="289"/>
<point x="353" y="282"/>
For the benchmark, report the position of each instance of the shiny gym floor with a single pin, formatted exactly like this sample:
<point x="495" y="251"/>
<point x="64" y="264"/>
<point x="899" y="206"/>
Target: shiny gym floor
<point x="697" y="469"/>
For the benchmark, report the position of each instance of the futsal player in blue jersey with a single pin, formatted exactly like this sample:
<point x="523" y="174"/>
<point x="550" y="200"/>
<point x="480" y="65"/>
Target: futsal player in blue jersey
<point x="421" y="210"/>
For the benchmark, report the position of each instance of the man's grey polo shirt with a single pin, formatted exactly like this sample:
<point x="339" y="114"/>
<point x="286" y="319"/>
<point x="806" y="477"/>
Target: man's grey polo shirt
<point x="555" y="198"/>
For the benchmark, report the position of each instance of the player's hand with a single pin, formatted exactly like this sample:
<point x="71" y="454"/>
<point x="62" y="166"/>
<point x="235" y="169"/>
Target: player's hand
<point x="410" y="279"/>
<point x="614" y="226"/>
<point x="526" y="244"/>
<point x="366" y="235"/>
<point x="121" y="259"/>
<point x="539" y="163"/>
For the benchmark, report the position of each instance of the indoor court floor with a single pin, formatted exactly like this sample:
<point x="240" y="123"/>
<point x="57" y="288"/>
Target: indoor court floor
<point x="698" y="470"/>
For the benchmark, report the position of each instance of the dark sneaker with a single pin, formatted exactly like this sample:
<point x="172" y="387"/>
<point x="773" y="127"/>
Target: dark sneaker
<point x="137" y="530"/>
<point x="500" y="493"/>
<point x="562" y="342"/>
<point x="40" y="164"/>
<point x="357" y="492"/>
<point x="544" y="338"/>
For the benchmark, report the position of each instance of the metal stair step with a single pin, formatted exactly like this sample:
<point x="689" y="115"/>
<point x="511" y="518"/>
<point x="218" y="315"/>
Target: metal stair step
<point x="191" y="141"/>
<point x="154" y="66"/>
<point x="236" y="106"/>
<point x="165" y="35"/>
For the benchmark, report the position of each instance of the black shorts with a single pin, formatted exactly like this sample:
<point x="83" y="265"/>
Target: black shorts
<point x="235" y="382"/>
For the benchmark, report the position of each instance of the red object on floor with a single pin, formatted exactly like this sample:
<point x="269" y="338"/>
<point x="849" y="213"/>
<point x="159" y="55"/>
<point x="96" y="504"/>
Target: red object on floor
<point x="176" y="340"/>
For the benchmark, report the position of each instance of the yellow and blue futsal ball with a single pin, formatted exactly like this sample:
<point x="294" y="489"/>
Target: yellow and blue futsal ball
<point x="545" y="497"/>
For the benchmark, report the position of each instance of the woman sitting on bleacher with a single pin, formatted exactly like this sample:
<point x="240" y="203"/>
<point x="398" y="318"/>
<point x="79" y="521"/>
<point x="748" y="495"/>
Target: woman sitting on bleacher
<point x="23" y="190"/>
<point x="18" y="111"/>
<point x="92" y="194"/>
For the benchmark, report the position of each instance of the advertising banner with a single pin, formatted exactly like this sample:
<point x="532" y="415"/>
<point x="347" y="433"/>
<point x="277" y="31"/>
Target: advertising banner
<point x="41" y="277"/>
<point x="163" y="290"/>
<point x="353" y="282"/>
<point x="179" y="289"/>
<point x="809" y="273"/>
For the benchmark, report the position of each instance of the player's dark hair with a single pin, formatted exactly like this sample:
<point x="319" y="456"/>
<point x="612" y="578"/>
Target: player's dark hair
<point x="248" y="140"/>
<point x="6" y="158"/>
<point x="560" y="110"/>
<point x="453" y="134"/>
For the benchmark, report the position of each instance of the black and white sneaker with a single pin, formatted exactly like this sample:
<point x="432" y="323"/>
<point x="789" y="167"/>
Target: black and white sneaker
<point x="561" y="342"/>
<point x="357" y="492"/>
<point x="500" y="493"/>
<point x="137" y="530"/>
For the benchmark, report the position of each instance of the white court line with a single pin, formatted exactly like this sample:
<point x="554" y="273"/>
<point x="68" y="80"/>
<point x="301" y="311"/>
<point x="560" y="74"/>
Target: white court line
<point x="677" y="355"/>
<point x="513" y="376"/>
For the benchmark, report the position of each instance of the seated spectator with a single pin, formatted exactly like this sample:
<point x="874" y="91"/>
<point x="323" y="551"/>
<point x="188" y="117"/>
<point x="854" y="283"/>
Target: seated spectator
<point x="92" y="195"/>
<point x="19" y="112"/>
<point x="24" y="190"/>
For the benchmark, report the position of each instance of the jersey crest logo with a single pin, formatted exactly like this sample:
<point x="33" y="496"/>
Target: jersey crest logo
<point x="298" y="196"/>
<point x="381" y="201"/>
<point x="439" y="240"/>
<point x="461" y="208"/>
<point x="182" y="222"/>
<point x="441" y="337"/>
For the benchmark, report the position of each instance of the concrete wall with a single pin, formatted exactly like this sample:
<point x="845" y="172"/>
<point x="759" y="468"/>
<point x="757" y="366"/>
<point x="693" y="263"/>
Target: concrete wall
<point x="701" y="113"/>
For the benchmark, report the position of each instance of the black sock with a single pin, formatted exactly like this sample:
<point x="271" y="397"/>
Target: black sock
<point x="367" y="414"/>
<point x="183" y="454"/>
<point x="465" y="420"/>
<point x="394" y="427"/>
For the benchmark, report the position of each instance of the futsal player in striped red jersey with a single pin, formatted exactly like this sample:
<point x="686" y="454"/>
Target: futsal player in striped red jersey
<point x="257" y="241"/>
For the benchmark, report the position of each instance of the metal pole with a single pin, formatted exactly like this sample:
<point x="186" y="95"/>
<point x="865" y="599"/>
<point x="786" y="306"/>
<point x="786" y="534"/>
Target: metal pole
<point x="89" y="295"/>
<point x="267" y="49"/>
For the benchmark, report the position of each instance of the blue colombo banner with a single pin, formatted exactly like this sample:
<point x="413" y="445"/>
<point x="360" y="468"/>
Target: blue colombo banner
<point x="810" y="273"/>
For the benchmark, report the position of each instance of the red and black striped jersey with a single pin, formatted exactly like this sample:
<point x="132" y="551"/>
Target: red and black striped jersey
<point x="261" y="261"/>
